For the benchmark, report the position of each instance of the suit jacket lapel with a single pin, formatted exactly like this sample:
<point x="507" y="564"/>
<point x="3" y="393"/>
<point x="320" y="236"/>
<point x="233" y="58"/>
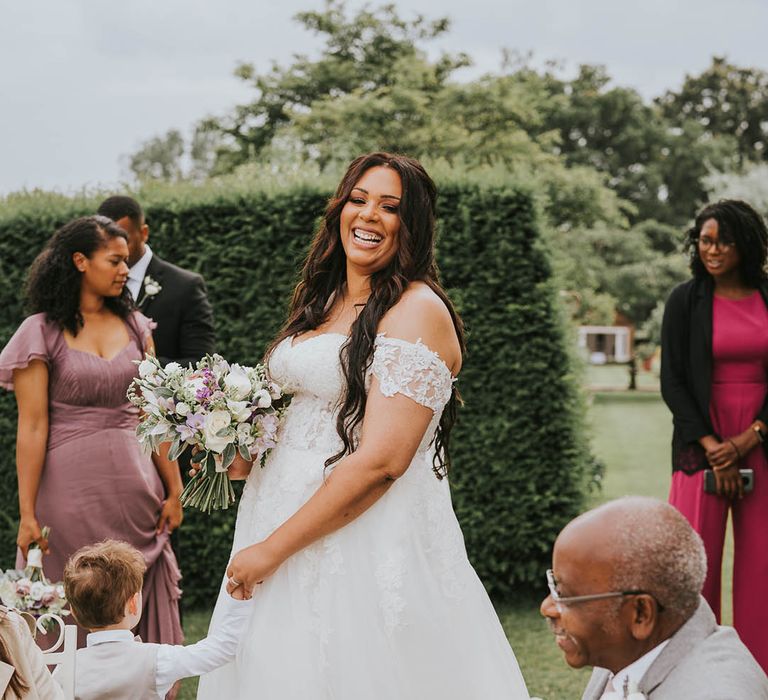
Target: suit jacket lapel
<point x="596" y="686"/>
<point x="698" y="627"/>
<point x="155" y="271"/>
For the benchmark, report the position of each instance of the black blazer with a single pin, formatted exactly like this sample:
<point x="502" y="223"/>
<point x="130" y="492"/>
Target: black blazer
<point x="182" y="312"/>
<point x="686" y="369"/>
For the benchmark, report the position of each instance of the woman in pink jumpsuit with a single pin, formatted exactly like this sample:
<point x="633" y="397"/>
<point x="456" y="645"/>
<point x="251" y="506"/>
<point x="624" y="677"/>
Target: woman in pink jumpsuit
<point x="715" y="381"/>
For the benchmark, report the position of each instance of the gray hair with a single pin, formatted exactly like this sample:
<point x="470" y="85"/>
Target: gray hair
<point x="657" y="551"/>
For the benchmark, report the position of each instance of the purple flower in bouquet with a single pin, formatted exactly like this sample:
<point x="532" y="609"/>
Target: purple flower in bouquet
<point x="196" y="421"/>
<point x="185" y="432"/>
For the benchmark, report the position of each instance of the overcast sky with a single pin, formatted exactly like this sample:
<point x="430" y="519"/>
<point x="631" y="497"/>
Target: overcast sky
<point x="84" y="82"/>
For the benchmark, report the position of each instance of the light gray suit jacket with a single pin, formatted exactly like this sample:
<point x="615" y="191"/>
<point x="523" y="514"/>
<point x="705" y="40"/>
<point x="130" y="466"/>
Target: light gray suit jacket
<point x="702" y="661"/>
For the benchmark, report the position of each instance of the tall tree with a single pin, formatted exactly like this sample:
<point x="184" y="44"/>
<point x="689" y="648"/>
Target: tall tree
<point x="159" y="158"/>
<point x="649" y="161"/>
<point x="724" y="100"/>
<point x="361" y="56"/>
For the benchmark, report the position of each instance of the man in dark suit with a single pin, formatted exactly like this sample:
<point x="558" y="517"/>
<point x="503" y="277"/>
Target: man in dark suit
<point x="174" y="298"/>
<point x="625" y="599"/>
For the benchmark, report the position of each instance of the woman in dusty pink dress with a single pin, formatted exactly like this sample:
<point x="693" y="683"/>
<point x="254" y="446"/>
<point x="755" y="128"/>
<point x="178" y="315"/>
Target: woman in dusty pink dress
<point x="714" y="378"/>
<point x="80" y="468"/>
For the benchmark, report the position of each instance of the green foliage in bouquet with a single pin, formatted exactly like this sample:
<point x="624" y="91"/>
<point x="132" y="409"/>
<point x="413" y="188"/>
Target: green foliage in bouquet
<point x="520" y="458"/>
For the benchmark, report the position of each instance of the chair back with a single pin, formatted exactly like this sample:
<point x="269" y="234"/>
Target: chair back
<point x="62" y="653"/>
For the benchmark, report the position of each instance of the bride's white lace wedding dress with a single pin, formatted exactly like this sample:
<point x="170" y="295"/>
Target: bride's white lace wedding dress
<point x="386" y="608"/>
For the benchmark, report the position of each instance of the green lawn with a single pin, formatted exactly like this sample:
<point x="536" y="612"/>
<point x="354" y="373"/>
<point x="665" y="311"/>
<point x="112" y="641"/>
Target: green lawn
<point x="631" y="435"/>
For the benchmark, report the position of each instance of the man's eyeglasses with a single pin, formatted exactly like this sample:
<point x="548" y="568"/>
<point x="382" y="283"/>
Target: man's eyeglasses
<point x="570" y="600"/>
<point x="705" y="243"/>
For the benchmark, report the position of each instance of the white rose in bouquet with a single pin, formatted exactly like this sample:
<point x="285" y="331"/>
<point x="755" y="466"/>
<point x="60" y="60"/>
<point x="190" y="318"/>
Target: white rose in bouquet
<point x="215" y="423"/>
<point x="241" y="410"/>
<point x="262" y="399"/>
<point x="36" y="590"/>
<point x="147" y="368"/>
<point x="237" y="383"/>
<point x="183" y="409"/>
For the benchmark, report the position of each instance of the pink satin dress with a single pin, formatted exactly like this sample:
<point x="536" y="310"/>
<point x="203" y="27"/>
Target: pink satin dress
<point x="96" y="482"/>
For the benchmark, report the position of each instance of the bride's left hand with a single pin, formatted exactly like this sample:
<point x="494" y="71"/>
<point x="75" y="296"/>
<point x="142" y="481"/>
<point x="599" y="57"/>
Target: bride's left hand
<point x="248" y="568"/>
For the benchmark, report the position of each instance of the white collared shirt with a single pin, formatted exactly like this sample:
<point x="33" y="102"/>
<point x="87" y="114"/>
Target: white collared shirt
<point x="105" y="636"/>
<point x="637" y="669"/>
<point x="175" y="661"/>
<point x="137" y="272"/>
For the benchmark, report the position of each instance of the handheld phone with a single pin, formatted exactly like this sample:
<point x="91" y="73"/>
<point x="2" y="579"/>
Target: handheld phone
<point x="747" y="478"/>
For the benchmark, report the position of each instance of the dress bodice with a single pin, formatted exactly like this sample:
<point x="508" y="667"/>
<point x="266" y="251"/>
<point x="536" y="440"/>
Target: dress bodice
<point x="311" y="371"/>
<point x="86" y="393"/>
<point x="740" y="340"/>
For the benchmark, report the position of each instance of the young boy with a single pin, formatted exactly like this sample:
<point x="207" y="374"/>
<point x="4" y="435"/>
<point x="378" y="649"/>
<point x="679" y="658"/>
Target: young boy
<point x="103" y="587"/>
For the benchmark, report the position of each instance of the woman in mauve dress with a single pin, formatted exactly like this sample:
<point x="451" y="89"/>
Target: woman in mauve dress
<point x="80" y="468"/>
<point x="714" y="378"/>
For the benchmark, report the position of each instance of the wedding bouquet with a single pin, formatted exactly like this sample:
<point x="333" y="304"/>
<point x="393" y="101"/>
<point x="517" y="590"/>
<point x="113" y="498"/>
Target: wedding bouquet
<point x="219" y="408"/>
<point x="29" y="591"/>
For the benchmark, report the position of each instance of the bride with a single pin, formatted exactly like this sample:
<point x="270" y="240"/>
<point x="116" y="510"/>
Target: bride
<point x="346" y="540"/>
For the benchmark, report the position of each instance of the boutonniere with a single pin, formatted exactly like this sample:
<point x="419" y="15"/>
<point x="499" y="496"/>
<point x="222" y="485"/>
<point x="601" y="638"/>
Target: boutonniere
<point x="629" y="691"/>
<point x="151" y="288"/>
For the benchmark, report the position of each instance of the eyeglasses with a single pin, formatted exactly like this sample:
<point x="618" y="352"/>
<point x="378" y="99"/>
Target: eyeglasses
<point x="569" y="600"/>
<point x="705" y="243"/>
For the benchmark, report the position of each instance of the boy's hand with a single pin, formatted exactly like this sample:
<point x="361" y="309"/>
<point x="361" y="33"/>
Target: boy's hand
<point x="171" y="515"/>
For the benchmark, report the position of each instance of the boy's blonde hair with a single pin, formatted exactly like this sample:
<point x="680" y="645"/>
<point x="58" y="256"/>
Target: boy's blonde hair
<point x="100" y="579"/>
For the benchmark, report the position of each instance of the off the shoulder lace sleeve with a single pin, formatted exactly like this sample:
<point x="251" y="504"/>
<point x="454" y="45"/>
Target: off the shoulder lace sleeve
<point x="413" y="370"/>
<point x="31" y="341"/>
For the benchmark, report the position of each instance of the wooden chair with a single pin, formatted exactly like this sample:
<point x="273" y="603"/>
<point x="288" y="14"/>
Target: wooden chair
<point x="61" y="654"/>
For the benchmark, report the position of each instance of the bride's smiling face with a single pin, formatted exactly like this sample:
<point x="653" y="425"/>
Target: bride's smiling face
<point x="370" y="220"/>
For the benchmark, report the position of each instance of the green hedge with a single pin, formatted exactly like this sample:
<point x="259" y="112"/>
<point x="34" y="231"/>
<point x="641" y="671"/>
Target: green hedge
<point x="520" y="458"/>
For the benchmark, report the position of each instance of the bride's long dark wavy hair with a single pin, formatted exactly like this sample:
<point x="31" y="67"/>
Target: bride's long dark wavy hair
<point x="323" y="278"/>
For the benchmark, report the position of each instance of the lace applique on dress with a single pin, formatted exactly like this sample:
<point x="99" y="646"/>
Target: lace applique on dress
<point x="411" y="369"/>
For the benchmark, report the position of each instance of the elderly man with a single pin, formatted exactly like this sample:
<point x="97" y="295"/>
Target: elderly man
<point x="624" y="598"/>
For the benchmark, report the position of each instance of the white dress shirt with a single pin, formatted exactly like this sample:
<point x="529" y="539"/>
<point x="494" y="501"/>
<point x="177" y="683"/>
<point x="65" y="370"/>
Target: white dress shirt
<point x="634" y="672"/>
<point x="137" y="272"/>
<point x="177" y="661"/>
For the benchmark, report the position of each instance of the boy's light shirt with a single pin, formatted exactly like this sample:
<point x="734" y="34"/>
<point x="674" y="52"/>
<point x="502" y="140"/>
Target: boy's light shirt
<point x="175" y="661"/>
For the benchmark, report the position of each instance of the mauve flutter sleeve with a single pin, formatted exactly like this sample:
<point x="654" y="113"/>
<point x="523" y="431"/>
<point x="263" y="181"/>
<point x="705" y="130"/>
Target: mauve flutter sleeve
<point x="32" y="341"/>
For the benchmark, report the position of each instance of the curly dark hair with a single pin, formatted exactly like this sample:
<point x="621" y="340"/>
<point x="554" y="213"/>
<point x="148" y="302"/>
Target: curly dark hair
<point x="737" y="223"/>
<point x="53" y="281"/>
<point x="323" y="277"/>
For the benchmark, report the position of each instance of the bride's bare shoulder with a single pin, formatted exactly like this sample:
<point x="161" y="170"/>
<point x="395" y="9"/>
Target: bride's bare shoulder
<point x="421" y="314"/>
